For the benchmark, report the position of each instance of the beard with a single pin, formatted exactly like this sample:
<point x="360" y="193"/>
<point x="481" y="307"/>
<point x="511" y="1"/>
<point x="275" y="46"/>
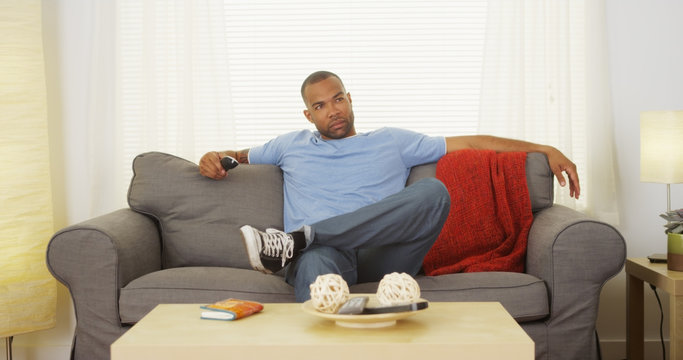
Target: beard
<point x="339" y="128"/>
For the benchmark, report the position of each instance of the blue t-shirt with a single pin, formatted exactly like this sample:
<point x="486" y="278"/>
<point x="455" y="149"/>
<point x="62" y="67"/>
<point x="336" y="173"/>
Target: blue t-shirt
<point x="326" y="178"/>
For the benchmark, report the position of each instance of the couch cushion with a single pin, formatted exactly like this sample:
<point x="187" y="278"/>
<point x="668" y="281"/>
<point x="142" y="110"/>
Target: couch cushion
<point x="539" y="179"/>
<point x="524" y="296"/>
<point x="190" y="285"/>
<point x="199" y="218"/>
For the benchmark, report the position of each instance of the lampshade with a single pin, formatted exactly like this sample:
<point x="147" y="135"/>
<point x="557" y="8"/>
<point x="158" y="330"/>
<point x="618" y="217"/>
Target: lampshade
<point x="28" y="293"/>
<point x="661" y="147"/>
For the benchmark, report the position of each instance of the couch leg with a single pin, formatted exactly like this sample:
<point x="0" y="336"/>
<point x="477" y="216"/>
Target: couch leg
<point x="597" y="341"/>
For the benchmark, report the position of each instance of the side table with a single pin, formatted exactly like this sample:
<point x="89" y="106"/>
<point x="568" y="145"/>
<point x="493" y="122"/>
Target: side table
<point x="639" y="270"/>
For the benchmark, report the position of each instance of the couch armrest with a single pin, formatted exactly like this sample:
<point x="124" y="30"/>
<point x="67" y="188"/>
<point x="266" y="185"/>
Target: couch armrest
<point x="94" y="259"/>
<point x="575" y="256"/>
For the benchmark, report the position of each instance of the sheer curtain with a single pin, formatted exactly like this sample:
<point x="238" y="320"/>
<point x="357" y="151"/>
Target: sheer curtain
<point x="544" y="79"/>
<point x="79" y="39"/>
<point x="175" y="76"/>
<point x="176" y="93"/>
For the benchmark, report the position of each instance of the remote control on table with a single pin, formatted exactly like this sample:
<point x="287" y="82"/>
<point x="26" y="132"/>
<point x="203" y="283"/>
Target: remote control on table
<point x="228" y="162"/>
<point x="353" y="306"/>
<point x="396" y="308"/>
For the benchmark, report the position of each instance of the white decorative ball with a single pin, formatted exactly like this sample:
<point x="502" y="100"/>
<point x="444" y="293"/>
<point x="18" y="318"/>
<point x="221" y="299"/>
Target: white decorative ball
<point x="397" y="289"/>
<point x="328" y="293"/>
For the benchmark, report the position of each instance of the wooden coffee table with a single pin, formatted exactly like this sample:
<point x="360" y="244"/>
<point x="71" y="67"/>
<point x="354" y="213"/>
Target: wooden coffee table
<point x="284" y="331"/>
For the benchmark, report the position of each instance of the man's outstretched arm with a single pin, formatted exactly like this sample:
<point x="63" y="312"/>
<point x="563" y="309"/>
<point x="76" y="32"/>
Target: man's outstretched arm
<point x="210" y="163"/>
<point x="559" y="163"/>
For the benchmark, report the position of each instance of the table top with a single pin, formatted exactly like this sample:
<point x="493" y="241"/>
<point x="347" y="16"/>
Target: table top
<point x="656" y="274"/>
<point x="471" y="330"/>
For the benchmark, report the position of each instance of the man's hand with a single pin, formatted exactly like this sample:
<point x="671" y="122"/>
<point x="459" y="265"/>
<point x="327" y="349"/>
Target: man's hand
<point x="210" y="166"/>
<point x="560" y="164"/>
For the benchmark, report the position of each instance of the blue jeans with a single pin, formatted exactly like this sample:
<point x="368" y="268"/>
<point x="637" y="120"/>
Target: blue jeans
<point x="392" y="235"/>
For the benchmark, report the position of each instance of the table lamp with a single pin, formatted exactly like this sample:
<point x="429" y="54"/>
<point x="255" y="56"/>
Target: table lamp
<point x="661" y="161"/>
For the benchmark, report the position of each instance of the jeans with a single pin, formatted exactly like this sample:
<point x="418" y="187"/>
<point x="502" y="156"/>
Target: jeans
<point x="392" y="235"/>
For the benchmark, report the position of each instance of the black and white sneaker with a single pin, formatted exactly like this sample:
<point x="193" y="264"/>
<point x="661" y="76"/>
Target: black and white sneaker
<point x="271" y="250"/>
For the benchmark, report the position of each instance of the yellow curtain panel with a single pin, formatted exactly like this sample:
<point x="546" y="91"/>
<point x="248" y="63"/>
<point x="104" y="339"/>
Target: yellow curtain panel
<point x="27" y="290"/>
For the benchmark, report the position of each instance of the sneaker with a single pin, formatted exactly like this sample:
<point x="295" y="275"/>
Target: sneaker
<point x="271" y="250"/>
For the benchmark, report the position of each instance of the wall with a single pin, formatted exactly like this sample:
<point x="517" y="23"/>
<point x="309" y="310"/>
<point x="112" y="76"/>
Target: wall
<point x="644" y="39"/>
<point x="646" y="54"/>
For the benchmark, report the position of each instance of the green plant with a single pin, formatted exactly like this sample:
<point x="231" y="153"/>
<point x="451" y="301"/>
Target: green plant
<point x="674" y="221"/>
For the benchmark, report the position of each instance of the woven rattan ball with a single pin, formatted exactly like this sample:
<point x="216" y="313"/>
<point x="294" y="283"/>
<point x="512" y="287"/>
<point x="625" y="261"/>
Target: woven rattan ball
<point x="396" y="289"/>
<point x="328" y="293"/>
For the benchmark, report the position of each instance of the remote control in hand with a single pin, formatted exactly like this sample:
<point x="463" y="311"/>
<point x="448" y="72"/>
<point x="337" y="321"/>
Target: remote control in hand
<point x="228" y="163"/>
<point x="353" y="306"/>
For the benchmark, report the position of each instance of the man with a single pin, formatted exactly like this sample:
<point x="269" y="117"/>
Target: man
<point x="346" y="208"/>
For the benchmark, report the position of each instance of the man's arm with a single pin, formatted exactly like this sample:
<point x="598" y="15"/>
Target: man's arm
<point x="210" y="163"/>
<point x="558" y="162"/>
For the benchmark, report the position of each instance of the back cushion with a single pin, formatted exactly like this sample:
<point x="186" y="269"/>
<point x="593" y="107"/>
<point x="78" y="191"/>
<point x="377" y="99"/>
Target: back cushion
<point x="199" y="218"/>
<point x="539" y="178"/>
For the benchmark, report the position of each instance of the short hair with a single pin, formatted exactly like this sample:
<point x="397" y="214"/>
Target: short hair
<point x="317" y="77"/>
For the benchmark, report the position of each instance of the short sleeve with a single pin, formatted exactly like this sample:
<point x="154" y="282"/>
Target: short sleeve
<point x="272" y="152"/>
<point x="416" y="148"/>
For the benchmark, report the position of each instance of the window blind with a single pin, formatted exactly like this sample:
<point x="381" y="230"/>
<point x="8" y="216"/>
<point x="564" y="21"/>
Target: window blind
<point x="194" y="78"/>
<point x="409" y="64"/>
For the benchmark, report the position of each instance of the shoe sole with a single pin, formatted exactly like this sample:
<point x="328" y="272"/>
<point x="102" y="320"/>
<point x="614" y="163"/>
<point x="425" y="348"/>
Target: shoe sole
<point x="252" y="249"/>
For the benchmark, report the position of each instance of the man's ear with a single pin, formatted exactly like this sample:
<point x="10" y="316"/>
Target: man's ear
<point x="307" y="114"/>
<point x="348" y="95"/>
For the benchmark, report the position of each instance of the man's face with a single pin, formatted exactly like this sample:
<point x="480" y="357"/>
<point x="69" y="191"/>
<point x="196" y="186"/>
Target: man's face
<point x="328" y="107"/>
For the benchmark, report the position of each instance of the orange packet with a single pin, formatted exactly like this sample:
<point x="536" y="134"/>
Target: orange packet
<point x="231" y="309"/>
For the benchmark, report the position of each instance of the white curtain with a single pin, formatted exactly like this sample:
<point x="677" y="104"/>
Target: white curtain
<point x="545" y="80"/>
<point x="79" y="40"/>
<point x="177" y="88"/>
<point x="175" y="67"/>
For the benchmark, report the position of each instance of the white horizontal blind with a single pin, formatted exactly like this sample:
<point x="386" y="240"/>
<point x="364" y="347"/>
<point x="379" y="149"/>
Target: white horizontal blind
<point x="410" y="64"/>
<point x="195" y="76"/>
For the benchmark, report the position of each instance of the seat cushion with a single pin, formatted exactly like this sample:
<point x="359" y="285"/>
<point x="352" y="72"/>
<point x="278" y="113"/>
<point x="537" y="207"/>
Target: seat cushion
<point x="188" y="285"/>
<point x="524" y="296"/>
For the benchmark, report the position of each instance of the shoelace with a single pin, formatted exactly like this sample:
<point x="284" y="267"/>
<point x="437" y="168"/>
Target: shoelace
<point x="278" y="243"/>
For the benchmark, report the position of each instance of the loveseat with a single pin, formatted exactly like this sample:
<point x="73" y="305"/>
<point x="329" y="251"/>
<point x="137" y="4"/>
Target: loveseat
<point x="179" y="242"/>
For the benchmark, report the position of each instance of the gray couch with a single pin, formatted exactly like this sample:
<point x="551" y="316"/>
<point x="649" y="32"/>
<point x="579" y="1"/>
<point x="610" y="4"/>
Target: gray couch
<point x="179" y="243"/>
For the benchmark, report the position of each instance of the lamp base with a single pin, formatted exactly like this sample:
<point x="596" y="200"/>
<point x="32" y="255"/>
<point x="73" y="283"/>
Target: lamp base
<point x="8" y="347"/>
<point x="674" y="254"/>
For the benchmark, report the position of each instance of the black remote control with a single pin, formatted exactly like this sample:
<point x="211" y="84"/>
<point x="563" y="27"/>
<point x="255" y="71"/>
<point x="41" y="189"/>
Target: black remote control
<point x="228" y="163"/>
<point x="397" y="308"/>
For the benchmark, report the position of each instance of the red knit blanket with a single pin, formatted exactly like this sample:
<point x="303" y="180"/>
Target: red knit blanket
<point x="490" y="214"/>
